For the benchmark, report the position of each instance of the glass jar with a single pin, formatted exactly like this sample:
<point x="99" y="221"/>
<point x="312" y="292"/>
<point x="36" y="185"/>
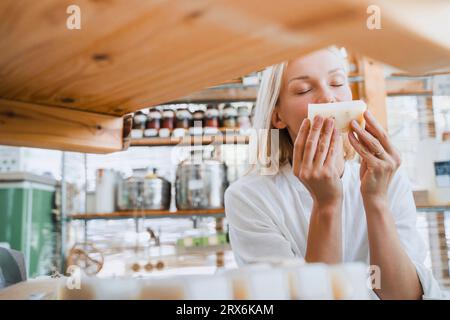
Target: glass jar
<point x="243" y="120"/>
<point x="197" y="122"/>
<point x="183" y="119"/>
<point x="183" y="122"/>
<point x="211" y="119"/>
<point x="139" y="120"/>
<point x="153" y="123"/>
<point x="168" y="123"/>
<point x="229" y="117"/>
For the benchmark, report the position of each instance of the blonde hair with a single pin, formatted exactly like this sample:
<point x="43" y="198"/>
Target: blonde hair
<point x="266" y="102"/>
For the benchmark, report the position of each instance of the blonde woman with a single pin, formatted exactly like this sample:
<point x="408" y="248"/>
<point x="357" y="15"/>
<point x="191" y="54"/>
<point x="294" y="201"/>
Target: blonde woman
<point x="317" y="204"/>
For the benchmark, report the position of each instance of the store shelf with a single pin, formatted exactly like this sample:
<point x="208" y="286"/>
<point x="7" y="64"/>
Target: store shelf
<point x="150" y="214"/>
<point x="433" y="208"/>
<point x="190" y="141"/>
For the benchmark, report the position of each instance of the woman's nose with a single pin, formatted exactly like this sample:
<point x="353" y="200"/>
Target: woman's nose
<point x="325" y="96"/>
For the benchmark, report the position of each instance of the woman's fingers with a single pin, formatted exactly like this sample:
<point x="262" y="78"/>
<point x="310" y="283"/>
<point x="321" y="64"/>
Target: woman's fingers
<point x="378" y="131"/>
<point x="370" y="142"/>
<point x="375" y="129"/>
<point x="299" y="145"/>
<point x="333" y="149"/>
<point x="311" y="142"/>
<point x="361" y="149"/>
<point x="324" y="143"/>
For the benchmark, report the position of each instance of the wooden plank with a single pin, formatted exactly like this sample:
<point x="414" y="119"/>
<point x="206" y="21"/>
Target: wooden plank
<point x="40" y="289"/>
<point x="129" y="55"/>
<point x="146" y="213"/>
<point x="42" y="126"/>
<point x="413" y="37"/>
<point x="220" y="95"/>
<point x="395" y="87"/>
<point x="133" y="54"/>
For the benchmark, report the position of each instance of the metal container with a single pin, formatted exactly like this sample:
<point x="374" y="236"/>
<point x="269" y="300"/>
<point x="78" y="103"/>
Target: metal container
<point x="200" y="184"/>
<point x="155" y="192"/>
<point x="129" y="193"/>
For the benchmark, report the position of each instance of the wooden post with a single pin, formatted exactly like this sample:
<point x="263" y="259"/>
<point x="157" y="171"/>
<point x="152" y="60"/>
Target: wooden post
<point x="373" y="88"/>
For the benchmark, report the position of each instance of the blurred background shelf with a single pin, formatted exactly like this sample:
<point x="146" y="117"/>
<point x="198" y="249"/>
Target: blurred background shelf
<point x="433" y="208"/>
<point x="150" y="214"/>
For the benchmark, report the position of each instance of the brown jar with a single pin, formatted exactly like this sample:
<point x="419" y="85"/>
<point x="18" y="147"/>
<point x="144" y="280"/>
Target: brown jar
<point x="139" y="120"/>
<point x="153" y="123"/>
<point x="168" y="119"/>
<point x="198" y="118"/>
<point x="212" y="117"/>
<point x="183" y="119"/>
<point x="197" y="123"/>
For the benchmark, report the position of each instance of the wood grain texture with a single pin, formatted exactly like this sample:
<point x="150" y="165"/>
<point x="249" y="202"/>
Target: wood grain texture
<point x="27" y="124"/>
<point x="134" y="54"/>
<point x="224" y="94"/>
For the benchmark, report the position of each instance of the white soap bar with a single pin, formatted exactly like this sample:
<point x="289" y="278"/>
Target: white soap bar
<point x="350" y="281"/>
<point x="118" y="289"/>
<point x="311" y="282"/>
<point x="342" y="112"/>
<point x="269" y="285"/>
<point x="211" y="287"/>
<point x="239" y="278"/>
<point x="163" y="289"/>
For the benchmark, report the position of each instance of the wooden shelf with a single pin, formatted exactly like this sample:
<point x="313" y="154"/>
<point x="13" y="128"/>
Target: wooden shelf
<point x="221" y="94"/>
<point x="190" y="141"/>
<point x="116" y="63"/>
<point x="149" y="214"/>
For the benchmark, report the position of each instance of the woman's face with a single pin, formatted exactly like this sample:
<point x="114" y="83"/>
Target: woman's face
<point x="316" y="78"/>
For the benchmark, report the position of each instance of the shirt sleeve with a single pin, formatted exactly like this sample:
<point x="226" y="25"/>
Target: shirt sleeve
<point x="403" y="208"/>
<point x="253" y="232"/>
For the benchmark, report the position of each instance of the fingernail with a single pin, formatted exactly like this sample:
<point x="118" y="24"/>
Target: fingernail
<point x="355" y="124"/>
<point x="317" y="118"/>
<point x="370" y="114"/>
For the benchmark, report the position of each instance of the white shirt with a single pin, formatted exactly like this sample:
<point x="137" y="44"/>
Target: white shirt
<point x="269" y="215"/>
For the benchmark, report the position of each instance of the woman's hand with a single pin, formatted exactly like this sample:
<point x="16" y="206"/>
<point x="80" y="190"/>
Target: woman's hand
<point x="379" y="159"/>
<point x="316" y="149"/>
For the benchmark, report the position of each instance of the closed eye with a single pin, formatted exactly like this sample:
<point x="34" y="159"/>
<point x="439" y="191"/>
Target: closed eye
<point x="303" y="92"/>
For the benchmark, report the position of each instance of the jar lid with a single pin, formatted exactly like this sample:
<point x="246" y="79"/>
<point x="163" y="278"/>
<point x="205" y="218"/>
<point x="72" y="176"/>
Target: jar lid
<point x="243" y="111"/>
<point x="168" y="113"/>
<point x="155" y="114"/>
<point x="199" y="114"/>
<point x="229" y="111"/>
<point x="184" y="114"/>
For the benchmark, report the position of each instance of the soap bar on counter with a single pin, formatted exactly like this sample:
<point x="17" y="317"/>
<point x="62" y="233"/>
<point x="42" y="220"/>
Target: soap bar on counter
<point x="259" y="282"/>
<point x="342" y="112"/>
<point x="208" y="288"/>
<point x="350" y="281"/>
<point x="311" y="282"/>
